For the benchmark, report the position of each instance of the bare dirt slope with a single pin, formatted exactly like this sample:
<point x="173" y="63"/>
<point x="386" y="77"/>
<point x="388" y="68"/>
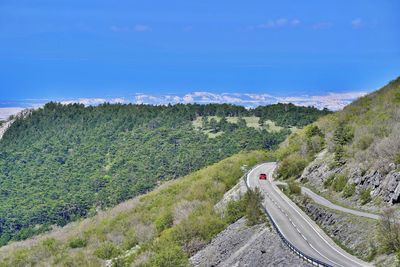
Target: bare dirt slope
<point x="240" y="245"/>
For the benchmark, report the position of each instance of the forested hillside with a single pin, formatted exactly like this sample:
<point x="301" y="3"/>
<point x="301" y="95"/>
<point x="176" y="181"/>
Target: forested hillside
<point x="161" y="228"/>
<point x="62" y="162"/>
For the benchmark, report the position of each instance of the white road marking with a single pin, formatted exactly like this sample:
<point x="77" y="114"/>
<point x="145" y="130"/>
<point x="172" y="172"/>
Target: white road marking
<point x="312" y="227"/>
<point x="276" y="189"/>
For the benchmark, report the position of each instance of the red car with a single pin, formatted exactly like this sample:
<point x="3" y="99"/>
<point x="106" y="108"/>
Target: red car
<point x="263" y="176"/>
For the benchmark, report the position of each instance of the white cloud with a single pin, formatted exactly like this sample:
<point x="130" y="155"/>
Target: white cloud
<point x="142" y="28"/>
<point x="94" y="101"/>
<point x="7" y="112"/>
<point x="357" y="23"/>
<point x="188" y="98"/>
<point x="277" y="23"/>
<point x="333" y="101"/>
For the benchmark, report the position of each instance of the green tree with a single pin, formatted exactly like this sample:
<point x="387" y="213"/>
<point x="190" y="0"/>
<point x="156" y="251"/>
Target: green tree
<point x="254" y="210"/>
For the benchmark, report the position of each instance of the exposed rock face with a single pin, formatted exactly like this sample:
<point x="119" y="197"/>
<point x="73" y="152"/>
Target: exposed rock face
<point x="391" y="182"/>
<point x="239" y="245"/>
<point x="353" y="232"/>
<point x="386" y="185"/>
<point x="318" y="170"/>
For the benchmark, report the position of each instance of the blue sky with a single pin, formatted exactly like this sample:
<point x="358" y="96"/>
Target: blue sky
<point x="74" y="49"/>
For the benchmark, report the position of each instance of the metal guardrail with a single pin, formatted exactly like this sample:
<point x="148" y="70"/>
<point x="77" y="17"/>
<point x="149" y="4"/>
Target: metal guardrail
<point x="298" y="252"/>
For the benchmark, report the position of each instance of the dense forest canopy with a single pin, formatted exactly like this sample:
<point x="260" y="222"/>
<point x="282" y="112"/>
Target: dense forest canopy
<point x="288" y="114"/>
<point x="62" y="162"/>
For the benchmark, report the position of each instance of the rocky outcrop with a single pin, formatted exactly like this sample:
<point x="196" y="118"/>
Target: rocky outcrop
<point x="385" y="184"/>
<point x="390" y="185"/>
<point x="319" y="170"/>
<point x="240" y="245"/>
<point x="351" y="231"/>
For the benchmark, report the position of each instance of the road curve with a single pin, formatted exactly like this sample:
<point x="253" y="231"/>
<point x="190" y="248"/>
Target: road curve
<point x="295" y="225"/>
<point x="324" y="202"/>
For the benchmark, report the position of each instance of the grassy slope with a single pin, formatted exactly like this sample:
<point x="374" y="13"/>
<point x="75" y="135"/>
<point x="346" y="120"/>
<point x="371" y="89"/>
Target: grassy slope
<point x="251" y="121"/>
<point x="374" y="122"/>
<point x="168" y="224"/>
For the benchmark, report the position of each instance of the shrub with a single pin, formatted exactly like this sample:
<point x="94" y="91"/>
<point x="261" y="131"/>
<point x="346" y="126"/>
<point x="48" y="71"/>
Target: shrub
<point x="313" y="130"/>
<point x="349" y="190"/>
<point x="164" y="221"/>
<point x="77" y="242"/>
<point x="339" y="155"/>
<point x="294" y="188"/>
<point x="203" y="224"/>
<point x="130" y="239"/>
<point x="254" y="211"/>
<point x="389" y="231"/>
<point x="169" y="255"/>
<point x="372" y="253"/>
<point x="107" y="250"/>
<point x="397" y="159"/>
<point x="339" y="183"/>
<point x="315" y="144"/>
<point x="364" y="141"/>
<point x="343" y="135"/>
<point x="51" y="245"/>
<point x="235" y="210"/>
<point x="292" y="166"/>
<point x="365" y="196"/>
<point x="329" y="180"/>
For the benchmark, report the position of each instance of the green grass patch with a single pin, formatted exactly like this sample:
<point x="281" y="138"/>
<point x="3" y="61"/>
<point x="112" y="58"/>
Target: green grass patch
<point x="251" y="121"/>
<point x="77" y="242"/>
<point x="294" y="188"/>
<point x="349" y="190"/>
<point x="339" y="182"/>
<point x="365" y="196"/>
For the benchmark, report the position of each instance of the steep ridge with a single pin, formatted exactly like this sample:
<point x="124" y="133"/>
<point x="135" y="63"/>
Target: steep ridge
<point x="358" y="149"/>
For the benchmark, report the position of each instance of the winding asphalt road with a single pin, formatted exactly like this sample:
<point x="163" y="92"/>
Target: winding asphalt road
<point x="295" y="225"/>
<point x="323" y="201"/>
